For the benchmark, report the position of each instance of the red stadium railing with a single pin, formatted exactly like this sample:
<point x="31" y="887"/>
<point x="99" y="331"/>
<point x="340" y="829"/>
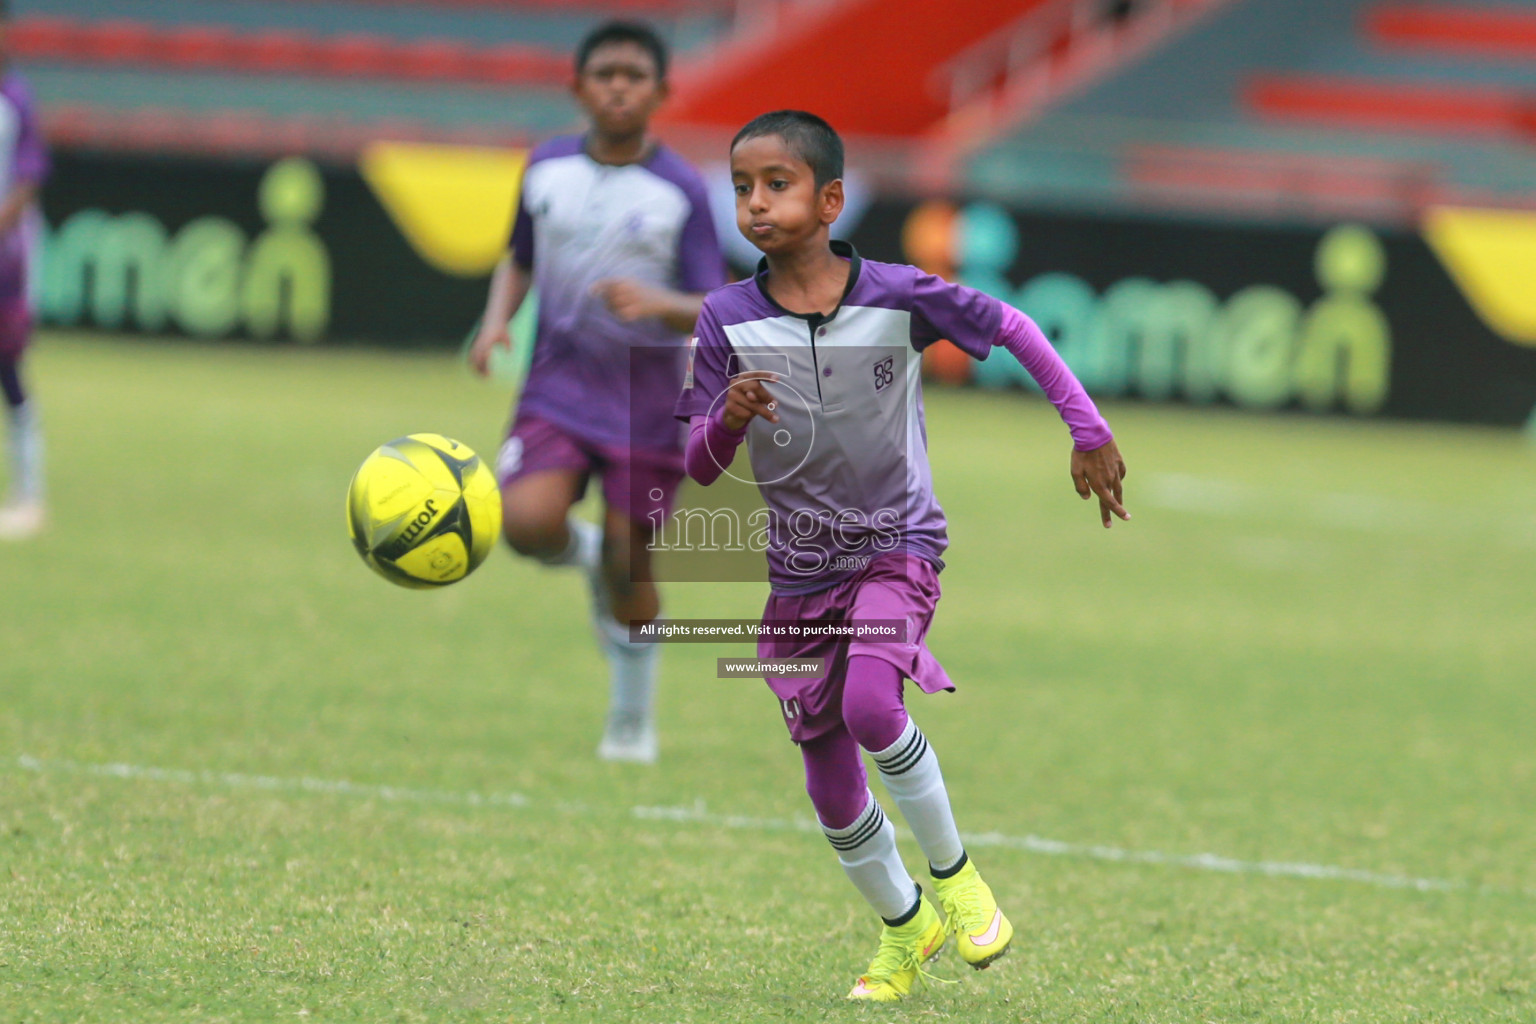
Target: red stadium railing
<point x="279" y="51"/>
<point x="1381" y="105"/>
<point x="1497" y="32"/>
<point x="1055" y="49"/>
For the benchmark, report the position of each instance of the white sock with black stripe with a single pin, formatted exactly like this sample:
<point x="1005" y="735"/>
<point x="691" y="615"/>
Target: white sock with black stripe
<point x="910" y="770"/>
<point x="632" y="672"/>
<point x="26" y="444"/>
<point x="867" y="851"/>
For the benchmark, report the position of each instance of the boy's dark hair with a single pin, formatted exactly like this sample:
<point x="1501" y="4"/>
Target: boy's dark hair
<point x="808" y="137"/>
<point x="622" y="32"/>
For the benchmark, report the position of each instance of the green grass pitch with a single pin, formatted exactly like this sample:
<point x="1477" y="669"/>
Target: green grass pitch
<point x="244" y="779"/>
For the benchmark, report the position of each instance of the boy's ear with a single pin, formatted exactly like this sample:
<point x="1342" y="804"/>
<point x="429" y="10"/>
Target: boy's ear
<point x="831" y="201"/>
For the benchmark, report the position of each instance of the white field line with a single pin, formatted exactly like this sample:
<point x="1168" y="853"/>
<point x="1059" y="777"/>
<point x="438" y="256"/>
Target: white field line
<point x="699" y="814"/>
<point x="1335" y="510"/>
<point x="237" y="780"/>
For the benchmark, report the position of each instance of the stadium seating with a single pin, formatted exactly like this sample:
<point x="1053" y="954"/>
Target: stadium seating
<point x="282" y="52"/>
<point x="319" y="75"/>
<point x="1492" y="32"/>
<point x="1398" y="106"/>
<point x="1297" y="108"/>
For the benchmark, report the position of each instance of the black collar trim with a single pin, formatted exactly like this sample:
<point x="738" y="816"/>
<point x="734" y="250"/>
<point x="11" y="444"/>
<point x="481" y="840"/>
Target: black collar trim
<point x="840" y="248"/>
<point x="643" y="160"/>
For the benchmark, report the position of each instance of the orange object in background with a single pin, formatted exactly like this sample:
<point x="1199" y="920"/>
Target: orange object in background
<point x="870" y="67"/>
<point x="928" y="239"/>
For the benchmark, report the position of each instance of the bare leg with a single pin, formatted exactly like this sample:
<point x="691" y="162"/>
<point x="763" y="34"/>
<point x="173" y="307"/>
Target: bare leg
<point x="535" y="510"/>
<point x="625" y="595"/>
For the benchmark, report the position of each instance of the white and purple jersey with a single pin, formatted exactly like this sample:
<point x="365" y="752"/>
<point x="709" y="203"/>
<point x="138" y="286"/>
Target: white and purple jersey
<point x="23" y="160"/>
<point x="844" y="473"/>
<point x="580" y="222"/>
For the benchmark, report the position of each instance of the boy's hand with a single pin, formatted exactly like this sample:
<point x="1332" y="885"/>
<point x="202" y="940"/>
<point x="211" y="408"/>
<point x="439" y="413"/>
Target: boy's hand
<point x="746" y="398"/>
<point x="1100" y="472"/>
<point x="490" y="335"/>
<point x="631" y="300"/>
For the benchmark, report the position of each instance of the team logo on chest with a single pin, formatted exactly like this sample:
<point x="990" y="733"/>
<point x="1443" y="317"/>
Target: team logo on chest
<point x="885" y="373"/>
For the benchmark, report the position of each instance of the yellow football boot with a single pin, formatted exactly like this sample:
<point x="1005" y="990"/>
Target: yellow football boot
<point x="971" y="914"/>
<point x="899" y="961"/>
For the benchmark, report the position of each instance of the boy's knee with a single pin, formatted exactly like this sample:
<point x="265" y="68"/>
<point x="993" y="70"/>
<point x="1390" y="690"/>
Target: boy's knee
<point x="532" y="535"/>
<point x="872" y="703"/>
<point x="874" y="727"/>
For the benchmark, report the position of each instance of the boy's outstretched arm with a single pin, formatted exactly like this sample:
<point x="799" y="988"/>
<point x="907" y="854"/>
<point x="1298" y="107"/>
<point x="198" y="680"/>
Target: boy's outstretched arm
<point x="509" y="287"/>
<point x="631" y="300"/>
<point x="1097" y="467"/>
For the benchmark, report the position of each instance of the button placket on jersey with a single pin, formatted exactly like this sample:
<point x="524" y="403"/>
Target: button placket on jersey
<point x="825" y="358"/>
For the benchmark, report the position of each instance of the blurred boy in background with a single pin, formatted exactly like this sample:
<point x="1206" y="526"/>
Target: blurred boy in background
<point x="614" y="230"/>
<point x="23" y="166"/>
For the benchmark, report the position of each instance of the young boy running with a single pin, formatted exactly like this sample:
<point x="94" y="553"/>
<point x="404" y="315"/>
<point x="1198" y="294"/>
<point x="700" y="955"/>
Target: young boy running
<point x="614" y="231"/>
<point x="815" y="364"/>
<point x="23" y="166"/>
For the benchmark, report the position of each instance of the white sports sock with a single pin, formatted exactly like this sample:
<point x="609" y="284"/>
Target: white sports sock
<point x="632" y="671"/>
<point x="910" y="770"/>
<point x="583" y="548"/>
<point x="25" y="439"/>
<point x="867" y="851"/>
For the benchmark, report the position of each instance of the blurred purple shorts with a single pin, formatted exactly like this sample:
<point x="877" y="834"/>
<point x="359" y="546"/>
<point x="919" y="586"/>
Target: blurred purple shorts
<point x="638" y="482"/>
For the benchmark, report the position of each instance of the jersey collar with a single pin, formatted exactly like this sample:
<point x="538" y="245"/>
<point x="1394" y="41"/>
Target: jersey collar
<point x="643" y="160"/>
<point x="839" y="248"/>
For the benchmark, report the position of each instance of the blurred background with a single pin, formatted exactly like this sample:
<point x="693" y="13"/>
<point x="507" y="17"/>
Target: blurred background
<point x="1321" y="204"/>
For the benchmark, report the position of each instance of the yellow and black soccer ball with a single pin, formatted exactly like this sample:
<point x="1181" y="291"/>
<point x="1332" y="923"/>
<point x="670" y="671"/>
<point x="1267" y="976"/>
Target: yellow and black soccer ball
<point x="424" y="511"/>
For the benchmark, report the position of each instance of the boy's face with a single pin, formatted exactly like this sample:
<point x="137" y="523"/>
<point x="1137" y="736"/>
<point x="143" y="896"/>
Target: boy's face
<point x="778" y="205"/>
<point x="619" y="88"/>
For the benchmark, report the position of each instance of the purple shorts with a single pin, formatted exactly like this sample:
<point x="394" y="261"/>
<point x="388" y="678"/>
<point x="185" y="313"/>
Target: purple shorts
<point x="640" y="483"/>
<point x="894" y="586"/>
<point x="15" y="327"/>
<point x="16" y="257"/>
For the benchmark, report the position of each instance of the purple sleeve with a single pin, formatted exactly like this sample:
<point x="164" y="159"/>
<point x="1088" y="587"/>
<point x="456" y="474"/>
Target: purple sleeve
<point x="700" y="264"/>
<point x="707" y="376"/>
<point x="1022" y="336"/>
<point x="964" y="316"/>
<point x="711" y="447"/>
<point x="32" y="162"/>
<point x="522" y="232"/>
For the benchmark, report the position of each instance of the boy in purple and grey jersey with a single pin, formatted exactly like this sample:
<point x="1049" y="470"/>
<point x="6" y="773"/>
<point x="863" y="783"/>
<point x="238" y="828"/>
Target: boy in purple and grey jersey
<point x="815" y="364"/>
<point x="23" y="167"/>
<point x="614" y="231"/>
